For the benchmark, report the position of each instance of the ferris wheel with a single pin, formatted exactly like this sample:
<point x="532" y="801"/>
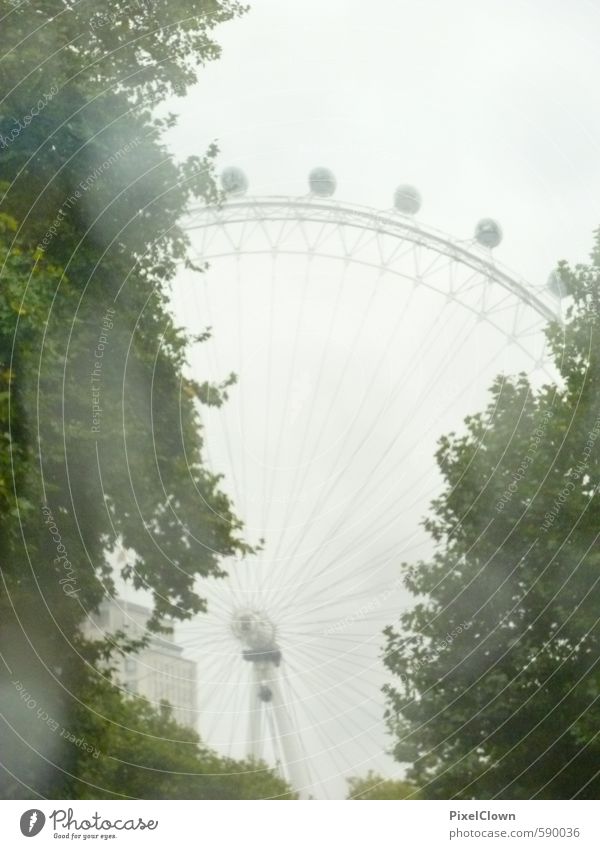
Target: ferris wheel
<point x="358" y="337"/>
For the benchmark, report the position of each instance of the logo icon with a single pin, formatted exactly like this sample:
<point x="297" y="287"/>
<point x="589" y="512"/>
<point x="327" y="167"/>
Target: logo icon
<point x="32" y="822"/>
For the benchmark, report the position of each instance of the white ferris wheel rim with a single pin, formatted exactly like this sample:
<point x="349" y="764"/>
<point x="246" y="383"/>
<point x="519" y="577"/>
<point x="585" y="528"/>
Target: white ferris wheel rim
<point x="389" y="223"/>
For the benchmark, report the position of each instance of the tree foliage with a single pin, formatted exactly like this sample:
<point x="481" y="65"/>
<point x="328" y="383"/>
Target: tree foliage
<point x="102" y="443"/>
<point x="374" y="786"/>
<point x="122" y="747"/>
<point x="497" y="663"/>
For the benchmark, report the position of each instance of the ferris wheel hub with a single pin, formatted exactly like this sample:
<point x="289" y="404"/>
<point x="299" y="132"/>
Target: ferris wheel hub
<point x="257" y="634"/>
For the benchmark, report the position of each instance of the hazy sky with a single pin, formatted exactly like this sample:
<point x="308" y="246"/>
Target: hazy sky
<point x="489" y="109"/>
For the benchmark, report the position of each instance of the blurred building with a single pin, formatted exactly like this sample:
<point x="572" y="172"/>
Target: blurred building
<point x="159" y="672"/>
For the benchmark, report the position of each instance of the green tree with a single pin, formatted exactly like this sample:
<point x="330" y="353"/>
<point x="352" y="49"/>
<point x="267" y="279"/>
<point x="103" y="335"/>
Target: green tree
<point x="101" y="434"/>
<point x="121" y="747"/>
<point x="374" y="786"/>
<point x="497" y="664"/>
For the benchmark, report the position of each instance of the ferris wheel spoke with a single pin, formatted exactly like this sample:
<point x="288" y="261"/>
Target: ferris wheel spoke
<point x="295" y="482"/>
<point x="293" y="227"/>
<point x="314" y="243"/>
<point x="219" y="646"/>
<point x="382" y="460"/>
<point x="278" y="754"/>
<point x="289" y="382"/>
<point x="373" y="606"/>
<point x="314" y="632"/>
<point x="433" y="266"/>
<point x="240" y="352"/>
<point x="470" y="283"/>
<point x="268" y="387"/>
<point x="309" y="598"/>
<point x="215" y="718"/>
<point x="329" y="240"/>
<point x="218" y="375"/>
<point x="308" y="609"/>
<point x="338" y="663"/>
<point x="319" y="502"/>
<point x="333" y="749"/>
<point x="312" y="594"/>
<point x="342" y="715"/>
<point x="363" y="239"/>
<point x="317" y="782"/>
<point x="348" y="643"/>
<point x="377" y="529"/>
<point x="208" y="235"/>
<point x="293" y="701"/>
<point x="322" y="663"/>
<point x="253" y="226"/>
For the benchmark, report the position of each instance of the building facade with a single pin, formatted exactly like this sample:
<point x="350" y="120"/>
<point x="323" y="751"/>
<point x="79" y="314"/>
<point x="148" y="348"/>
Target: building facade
<point x="158" y="672"/>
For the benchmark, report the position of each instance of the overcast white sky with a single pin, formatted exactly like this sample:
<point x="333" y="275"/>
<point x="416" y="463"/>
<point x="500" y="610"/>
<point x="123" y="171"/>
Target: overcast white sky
<point x="489" y="108"/>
